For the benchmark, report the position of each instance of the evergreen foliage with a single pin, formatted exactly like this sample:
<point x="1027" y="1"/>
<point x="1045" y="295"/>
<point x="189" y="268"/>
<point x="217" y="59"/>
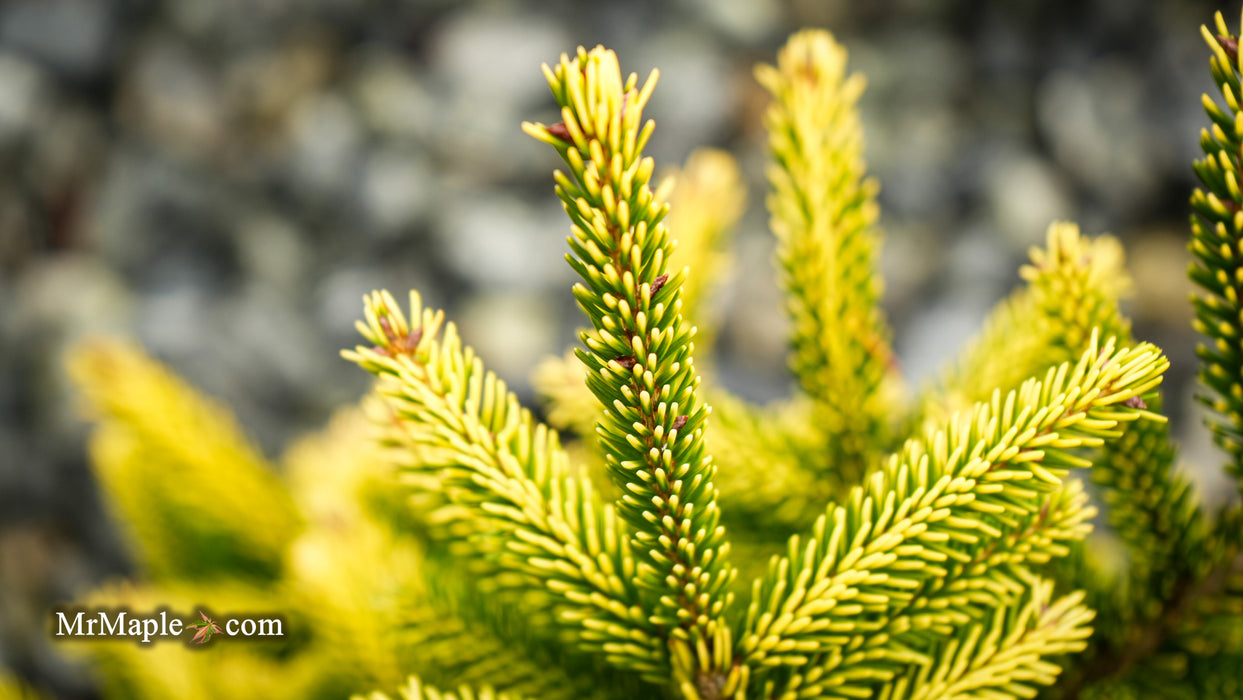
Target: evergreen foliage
<point x="839" y="544"/>
<point x="824" y="214"/>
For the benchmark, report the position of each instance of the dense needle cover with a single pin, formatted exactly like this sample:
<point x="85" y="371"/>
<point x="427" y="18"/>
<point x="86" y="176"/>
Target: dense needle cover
<point x="849" y="542"/>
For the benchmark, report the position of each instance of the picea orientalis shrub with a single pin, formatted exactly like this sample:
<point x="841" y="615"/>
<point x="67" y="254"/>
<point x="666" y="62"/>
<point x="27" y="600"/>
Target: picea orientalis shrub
<point x="846" y="543"/>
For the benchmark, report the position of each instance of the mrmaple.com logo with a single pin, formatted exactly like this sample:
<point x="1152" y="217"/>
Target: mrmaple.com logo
<point x="119" y="623"/>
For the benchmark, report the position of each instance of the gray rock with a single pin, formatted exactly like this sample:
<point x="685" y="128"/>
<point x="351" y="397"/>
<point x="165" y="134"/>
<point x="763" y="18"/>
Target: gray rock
<point x="741" y="20"/>
<point x="511" y="332"/>
<point x="339" y="298"/>
<point x="492" y="54"/>
<point x="72" y="36"/>
<point x="392" y="98"/>
<point x="981" y="263"/>
<point x="100" y="301"/>
<point x="271" y="249"/>
<point x="1094" y="119"/>
<point x="173" y="96"/>
<point x="324" y="147"/>
<point x="271" y="348"/>
<point x="757" y="328"/>
<point x="935" y="335"/>
<point x="396" y="189"/>
<point x="17" y="232"/>
<point x="696" y="96"/>
<point x="485" y="65"/>
<point x="909" y="258"/>
<point x="912" y="159"/>
<point x="23" y="98"/>
<point x="1024" y="195"/>
<point x="172" y="321"/>
<point x="497" y="241"/>
<point x="66" y="151"/>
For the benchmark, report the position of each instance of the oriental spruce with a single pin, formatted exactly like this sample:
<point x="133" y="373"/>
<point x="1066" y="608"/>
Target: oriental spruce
<point x="677" y="541"/>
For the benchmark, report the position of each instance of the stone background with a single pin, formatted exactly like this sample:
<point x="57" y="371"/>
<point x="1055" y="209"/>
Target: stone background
<point x="224" y="179"/>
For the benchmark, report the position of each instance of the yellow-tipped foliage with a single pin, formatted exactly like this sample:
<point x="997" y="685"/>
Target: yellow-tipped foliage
<point x="1217" y="228"/>
<point x="500" y="468"/>
<point x="460" y="547"/>
<point x="12" y="688"/>
<point x="766" y="484"/>
<point x="352" y="574"/>
<point x="707" y="196"/>
<point x="179" y="472"/>
<point x="638" y="353"/>
<point x="414" y="689"/>
<point x="1074" y="285"/>
<point x="933" y="518"/>
<point x="1005" y="657"/>
<point x="824" y="214"/>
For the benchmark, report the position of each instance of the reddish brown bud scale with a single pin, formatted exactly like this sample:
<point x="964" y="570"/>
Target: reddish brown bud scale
<point x="627" y="361"/>
<point x="679" y="422"/>
<point x="396" y="343"/>
<point x="560" y="131"/>
<point x="1135" y="402"/>
<point x="387" y="327"/>
<point x="658" y="283"/>
<point x="1231" y="46"/>
<point x="412" y="341"/>
<point x="711" y="684"/>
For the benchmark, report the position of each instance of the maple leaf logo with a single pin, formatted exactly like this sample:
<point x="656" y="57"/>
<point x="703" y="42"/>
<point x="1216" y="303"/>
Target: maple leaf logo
<point x="206" y="629"/>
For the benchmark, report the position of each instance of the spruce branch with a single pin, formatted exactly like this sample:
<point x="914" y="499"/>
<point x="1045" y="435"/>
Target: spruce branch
<point x="350" y="571"/>
<point x="1073" y="286"/>
<point x="638" y="353"/>
<point x="390" y="604"/>
<point x="499" y="467"/>
<point x="995" y="578"/>
<point x="767" y="487"/>
<point x="1216" y="230"/>
<point x="486" y="561"/>
<point x="1214" y="622"/>
<point x="1154" y="512"/>
<point x="824" y="214"/>
<point x="785" y="495"/>
<point x="984" y="473"/>
<point x="1004" y="658"/>
<point x="179" y="470"/>
<point x="1216" y="676"/>
<point x="1158" y="651"/>
<point x="450" y="642"/>
<point x="1155" y="649"/>
<point x="415" y="689"/>
<point x="12" y="687"/>
<point x="707" y="196"/>
<point x="1176" y="558"/>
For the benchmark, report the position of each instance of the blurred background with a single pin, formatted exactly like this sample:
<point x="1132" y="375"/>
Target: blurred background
<point x="223" y="180"/>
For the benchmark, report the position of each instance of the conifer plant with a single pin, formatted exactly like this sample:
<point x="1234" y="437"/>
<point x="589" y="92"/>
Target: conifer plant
<point x="845" y="543"/>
